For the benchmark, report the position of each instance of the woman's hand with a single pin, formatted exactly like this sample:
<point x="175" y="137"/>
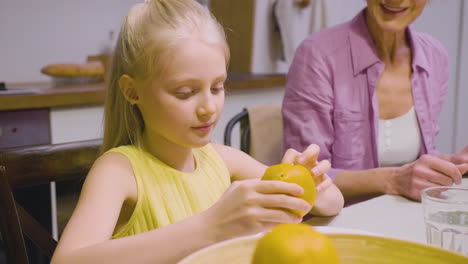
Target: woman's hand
<point x="427" y="171"/>
<point x="252" y="206"/>
<point x="461" y="158"/>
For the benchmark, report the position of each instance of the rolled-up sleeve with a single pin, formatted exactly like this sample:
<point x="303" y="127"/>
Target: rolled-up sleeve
<point x="308" y="103"/>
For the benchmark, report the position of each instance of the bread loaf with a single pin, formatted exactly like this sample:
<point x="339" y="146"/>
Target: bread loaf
<point x="70" y="70"/>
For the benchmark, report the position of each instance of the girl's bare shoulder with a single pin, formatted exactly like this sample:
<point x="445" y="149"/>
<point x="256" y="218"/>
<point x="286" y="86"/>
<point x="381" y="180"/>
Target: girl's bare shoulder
<point x="114" y="170"/>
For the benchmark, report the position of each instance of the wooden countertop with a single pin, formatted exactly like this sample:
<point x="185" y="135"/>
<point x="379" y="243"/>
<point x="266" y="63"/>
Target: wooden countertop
<point x="45" y="95"/>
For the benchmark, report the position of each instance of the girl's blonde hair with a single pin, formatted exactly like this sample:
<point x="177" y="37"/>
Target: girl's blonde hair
<point x="143" y="49"/>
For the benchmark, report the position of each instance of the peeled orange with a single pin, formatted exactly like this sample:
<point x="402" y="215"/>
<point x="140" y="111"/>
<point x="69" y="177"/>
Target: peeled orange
<point x="294" y="174"/>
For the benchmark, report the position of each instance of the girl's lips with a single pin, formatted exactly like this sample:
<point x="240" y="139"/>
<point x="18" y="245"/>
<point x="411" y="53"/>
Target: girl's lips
<point x="204" y="128"/>
<point x="204" y="125"/>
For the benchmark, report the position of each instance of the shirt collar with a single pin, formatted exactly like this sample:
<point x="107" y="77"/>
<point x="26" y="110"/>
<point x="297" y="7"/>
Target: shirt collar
<point x="363" y="50"/>
<point x="419" y="58"/>
<point x="362" y="47"/>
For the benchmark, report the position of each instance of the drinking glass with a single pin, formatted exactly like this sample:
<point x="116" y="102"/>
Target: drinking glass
<point x="446" y="217"/>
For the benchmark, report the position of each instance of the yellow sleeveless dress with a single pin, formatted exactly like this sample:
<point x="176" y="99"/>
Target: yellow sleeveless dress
<point x="166" y="195"/>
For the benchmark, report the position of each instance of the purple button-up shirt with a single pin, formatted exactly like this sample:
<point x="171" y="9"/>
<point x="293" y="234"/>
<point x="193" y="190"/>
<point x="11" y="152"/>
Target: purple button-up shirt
<point x="330" y="97"/>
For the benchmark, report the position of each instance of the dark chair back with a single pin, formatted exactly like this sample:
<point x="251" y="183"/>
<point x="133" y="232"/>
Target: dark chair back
<point x="261" y="132"/>
<point x="242" y="118"/>
<point x="34" y="165"/>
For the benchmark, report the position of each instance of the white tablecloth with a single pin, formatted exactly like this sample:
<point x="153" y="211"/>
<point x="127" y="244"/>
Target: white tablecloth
<point x="386" y="215"/>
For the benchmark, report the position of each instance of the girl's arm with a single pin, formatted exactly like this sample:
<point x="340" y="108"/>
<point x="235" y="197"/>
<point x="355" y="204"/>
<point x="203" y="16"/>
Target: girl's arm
<point x="329" y="199"/>
<point x="240" y="165"/>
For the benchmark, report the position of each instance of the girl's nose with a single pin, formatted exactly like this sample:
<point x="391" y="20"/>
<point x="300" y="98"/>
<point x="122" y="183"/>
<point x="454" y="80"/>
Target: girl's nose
<point x="207" y="106"/>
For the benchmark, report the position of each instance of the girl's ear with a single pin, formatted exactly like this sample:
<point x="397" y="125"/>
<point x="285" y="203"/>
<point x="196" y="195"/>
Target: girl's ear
<point x="128" y="88"/>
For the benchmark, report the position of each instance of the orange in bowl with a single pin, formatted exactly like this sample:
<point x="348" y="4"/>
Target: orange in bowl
<point x="294" y="243"/>
<point x="294" y="174"/>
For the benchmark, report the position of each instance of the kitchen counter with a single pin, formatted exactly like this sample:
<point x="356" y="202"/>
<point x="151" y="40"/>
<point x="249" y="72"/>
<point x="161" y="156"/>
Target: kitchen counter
<point x="47" y="94"/>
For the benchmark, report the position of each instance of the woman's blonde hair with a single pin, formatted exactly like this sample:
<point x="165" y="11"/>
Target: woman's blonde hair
<point x="143" y="49"/>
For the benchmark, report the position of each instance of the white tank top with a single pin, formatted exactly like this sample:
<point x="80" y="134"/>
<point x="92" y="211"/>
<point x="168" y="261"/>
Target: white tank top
<point x="399" y="140"/>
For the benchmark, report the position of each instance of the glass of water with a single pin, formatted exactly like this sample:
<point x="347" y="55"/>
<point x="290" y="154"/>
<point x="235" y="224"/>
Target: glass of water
<point x="446" y="217"/>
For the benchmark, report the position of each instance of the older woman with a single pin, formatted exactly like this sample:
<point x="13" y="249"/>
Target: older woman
<point x="369" y="92"/>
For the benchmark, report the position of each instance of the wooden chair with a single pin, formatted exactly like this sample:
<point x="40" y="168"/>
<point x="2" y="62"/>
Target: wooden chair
<point x="261" y="132"/>
<point x="27" y="166"/>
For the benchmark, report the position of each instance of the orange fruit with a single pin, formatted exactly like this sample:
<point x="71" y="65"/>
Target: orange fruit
<point x="294" y="174"/>
<point x="295" y="244"/>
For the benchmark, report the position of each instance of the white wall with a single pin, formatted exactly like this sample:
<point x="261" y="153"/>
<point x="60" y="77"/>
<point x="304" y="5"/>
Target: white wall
<point x="34" y="33"/>
<point x="461" y="121"/>
<point x="264" y="45"/>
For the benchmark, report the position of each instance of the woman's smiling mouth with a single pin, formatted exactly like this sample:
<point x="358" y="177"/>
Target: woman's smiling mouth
<point x="393" y="10"/>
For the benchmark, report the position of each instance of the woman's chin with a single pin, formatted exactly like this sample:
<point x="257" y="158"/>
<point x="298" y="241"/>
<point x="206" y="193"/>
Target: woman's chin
<point x="393" y="27"/>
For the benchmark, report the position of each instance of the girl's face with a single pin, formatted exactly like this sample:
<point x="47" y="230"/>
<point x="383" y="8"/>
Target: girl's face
<point x="394" y="15"/>
<point x="183" y="106"/>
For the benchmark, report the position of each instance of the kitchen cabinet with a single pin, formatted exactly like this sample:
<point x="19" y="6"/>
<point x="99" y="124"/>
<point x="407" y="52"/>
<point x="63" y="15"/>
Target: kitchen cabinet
<point x="24" y="128"/>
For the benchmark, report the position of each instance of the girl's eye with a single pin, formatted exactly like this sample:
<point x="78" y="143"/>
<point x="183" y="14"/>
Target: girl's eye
<point x="217" y="90"/>
<point x="184" y="94"/>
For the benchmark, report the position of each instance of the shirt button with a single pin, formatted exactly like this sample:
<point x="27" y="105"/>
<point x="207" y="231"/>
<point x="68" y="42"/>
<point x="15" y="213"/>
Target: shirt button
<point x="388" y="123"/>
<point x="388" y="133"/>
<point x="388" y="142"/>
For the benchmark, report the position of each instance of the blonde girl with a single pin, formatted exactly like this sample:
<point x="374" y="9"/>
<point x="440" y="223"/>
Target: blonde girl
<point x="161" y="190"/>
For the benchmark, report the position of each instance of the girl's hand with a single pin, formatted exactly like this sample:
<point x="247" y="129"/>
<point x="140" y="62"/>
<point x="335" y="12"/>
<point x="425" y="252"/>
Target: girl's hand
<point x="329" y="200"/>
<point x="252" y="206"/>
<point x="308" y="159"/>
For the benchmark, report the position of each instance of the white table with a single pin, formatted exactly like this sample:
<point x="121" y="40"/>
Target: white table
<point x="386" y="215"/>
